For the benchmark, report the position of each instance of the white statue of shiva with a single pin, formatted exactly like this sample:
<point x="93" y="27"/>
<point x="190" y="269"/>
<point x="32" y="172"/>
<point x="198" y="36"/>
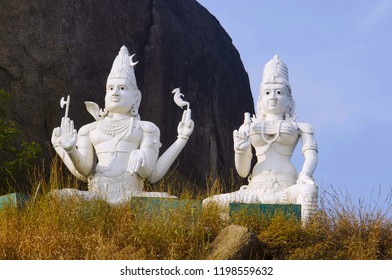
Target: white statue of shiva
<point x="117" y="151"/>
<point x="274" y="135"/>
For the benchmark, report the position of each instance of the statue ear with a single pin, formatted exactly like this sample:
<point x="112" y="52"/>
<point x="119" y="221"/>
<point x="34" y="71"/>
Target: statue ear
<point x="135" y="107"/>
<point x="138" y="99"/>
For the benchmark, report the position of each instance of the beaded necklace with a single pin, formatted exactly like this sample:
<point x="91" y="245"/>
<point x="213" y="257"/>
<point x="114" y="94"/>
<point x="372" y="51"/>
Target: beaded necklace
<point x="270" y="128"/>
<point x="114" y="127"/>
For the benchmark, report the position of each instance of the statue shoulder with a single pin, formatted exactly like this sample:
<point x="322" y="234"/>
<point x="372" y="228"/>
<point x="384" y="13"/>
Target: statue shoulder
<point x="305" y="128"/>
<point x="84" y="130"/>
<point x="151" y="135"/>
<point x="148" y="127"/>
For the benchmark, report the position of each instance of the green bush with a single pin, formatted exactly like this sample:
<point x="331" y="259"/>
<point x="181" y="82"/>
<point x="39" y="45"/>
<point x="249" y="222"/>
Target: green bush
<point x="17" y="156"/>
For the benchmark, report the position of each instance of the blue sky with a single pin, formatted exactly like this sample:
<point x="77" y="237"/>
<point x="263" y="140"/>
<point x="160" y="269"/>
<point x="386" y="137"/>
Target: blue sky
<point x="339" y="55"/>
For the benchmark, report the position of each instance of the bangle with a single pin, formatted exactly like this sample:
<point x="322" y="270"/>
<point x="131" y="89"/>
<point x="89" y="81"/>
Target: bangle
<point x="183" y="137"/>
<point x="71" y="151"/>
<point x="303" y="173"/>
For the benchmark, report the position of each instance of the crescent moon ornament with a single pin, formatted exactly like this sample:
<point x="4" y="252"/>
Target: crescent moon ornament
<point x="131" y="61"/>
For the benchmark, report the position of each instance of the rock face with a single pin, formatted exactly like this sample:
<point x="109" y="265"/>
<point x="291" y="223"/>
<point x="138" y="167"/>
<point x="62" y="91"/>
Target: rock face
<point x="235" y="243"/>
<point x="50" y="49"/>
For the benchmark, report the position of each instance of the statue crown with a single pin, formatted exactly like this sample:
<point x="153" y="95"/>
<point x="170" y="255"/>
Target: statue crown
<point x="123" y="67"/>
<point x="276" y="71"/>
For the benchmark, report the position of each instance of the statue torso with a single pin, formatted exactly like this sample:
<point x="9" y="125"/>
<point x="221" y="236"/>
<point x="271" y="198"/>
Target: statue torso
<point x="279" y="136"/>
<point x="113" y="142"/>
<point x="274" y="142"/>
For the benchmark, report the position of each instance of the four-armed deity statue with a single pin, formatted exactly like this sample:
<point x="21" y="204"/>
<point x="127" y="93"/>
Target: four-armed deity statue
<point x="117" y="151"/>
<point x="274" y="134"/>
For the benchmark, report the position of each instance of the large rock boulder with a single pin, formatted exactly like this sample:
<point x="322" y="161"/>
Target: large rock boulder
<point x="50" y="49"/>
<point x="235" y="243"/>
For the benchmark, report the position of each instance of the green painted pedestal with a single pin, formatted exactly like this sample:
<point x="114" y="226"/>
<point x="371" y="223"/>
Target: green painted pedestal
<point x="267" y="210"/>
<point x="158" y="204"/>
<point x="13" y="199"/>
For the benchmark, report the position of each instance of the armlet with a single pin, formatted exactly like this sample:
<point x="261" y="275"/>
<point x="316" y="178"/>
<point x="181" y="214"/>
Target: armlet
<point x="305" y="127"/>
<point x="312" y="146"/>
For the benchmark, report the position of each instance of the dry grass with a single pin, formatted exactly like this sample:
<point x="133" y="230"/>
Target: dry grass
<point x="49" y="228"/>
<point x="70" y="229"/>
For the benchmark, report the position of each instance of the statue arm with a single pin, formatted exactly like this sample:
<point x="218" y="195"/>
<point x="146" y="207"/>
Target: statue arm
<point x="243" y="162"/>
<point x="74" y="148"/>
<point x="242" y="151"/>
<point x="166" y="160"/>
<point x="185" y="129"/>
<point x="310" y="152"/>
<point x="143" y="160"/>
<point x="69" y="164"/>
<point x="82" y="155"/>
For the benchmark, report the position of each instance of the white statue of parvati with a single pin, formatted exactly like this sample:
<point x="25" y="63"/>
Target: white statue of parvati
<point x="117" y="151"/>
<point x="274" y="135"/>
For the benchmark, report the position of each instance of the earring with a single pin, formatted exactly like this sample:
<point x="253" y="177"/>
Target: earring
<point x="133" y="111"/>
<point x="103" y="112"/>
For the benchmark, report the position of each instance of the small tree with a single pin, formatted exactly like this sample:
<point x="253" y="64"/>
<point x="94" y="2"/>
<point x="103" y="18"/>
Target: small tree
<point x="17" y="156"/>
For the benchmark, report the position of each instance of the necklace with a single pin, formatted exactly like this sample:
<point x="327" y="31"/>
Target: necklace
<point x="276" y="132"/>
<point x="114" y="127"/>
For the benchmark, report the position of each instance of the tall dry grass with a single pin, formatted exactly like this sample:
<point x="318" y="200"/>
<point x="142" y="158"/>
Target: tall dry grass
<point x="50" y="228"/>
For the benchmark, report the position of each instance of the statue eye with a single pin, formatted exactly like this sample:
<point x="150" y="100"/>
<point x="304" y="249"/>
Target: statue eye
<point x="278" y="92"/>
<point x="267" y="93"/>
<point x="122" y="88"/>
<point x="111" y="88"/>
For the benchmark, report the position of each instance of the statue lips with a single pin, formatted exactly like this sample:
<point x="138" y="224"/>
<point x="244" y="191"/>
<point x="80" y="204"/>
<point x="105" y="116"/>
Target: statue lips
<point x="115" y="98"/>
<point x="272" y="103"/>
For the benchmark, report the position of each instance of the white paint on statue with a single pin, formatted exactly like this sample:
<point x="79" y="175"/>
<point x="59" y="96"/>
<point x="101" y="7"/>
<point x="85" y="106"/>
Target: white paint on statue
<point x="274" y="134"/>
<point x="118" y="151"/>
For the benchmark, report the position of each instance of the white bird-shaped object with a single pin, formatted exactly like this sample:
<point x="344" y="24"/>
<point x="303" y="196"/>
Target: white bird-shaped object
<point x="178" y="100"/>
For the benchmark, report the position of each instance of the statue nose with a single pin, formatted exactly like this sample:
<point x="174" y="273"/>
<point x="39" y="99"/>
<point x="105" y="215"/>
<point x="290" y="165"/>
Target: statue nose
<point x="273" y="96"/>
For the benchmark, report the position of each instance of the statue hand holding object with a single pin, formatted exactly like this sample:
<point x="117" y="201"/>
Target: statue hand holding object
<point x="241" y="140"/>
<point x="186" y="125"/>
<point x="65" y="135"/>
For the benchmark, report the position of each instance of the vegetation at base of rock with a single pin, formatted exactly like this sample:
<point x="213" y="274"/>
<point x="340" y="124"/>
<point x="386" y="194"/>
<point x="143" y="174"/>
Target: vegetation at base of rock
<point x="50" y="228"/>
<point x="18" y="156"/>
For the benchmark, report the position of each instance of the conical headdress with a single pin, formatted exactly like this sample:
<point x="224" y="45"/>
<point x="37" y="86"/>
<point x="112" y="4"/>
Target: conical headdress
<point x="123" y="67"/>
<point x="276" y="71"/>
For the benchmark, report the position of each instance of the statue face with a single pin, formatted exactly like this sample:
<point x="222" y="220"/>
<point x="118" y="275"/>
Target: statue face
<point x="120" y="96"/>
<point x="275" y="98"/>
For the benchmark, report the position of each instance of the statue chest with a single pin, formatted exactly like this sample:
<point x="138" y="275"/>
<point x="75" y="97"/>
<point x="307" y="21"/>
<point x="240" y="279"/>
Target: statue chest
<point x="122" y="140"/>
<point x="282" y="136"/>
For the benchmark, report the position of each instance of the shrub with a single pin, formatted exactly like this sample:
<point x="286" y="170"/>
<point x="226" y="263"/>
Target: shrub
<point x="18" y="156"/>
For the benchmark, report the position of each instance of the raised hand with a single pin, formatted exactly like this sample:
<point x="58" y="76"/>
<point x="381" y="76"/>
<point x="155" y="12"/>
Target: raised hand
<point x="65" y="136"/>
<point x="241" y="139"/>
<point x="186" y="125"/>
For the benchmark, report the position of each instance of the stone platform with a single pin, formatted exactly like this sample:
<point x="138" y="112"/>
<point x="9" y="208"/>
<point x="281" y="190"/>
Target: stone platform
<point x="267" y="210"/>
<point x="155" y="204"/>
<point x="13" y="199"/>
